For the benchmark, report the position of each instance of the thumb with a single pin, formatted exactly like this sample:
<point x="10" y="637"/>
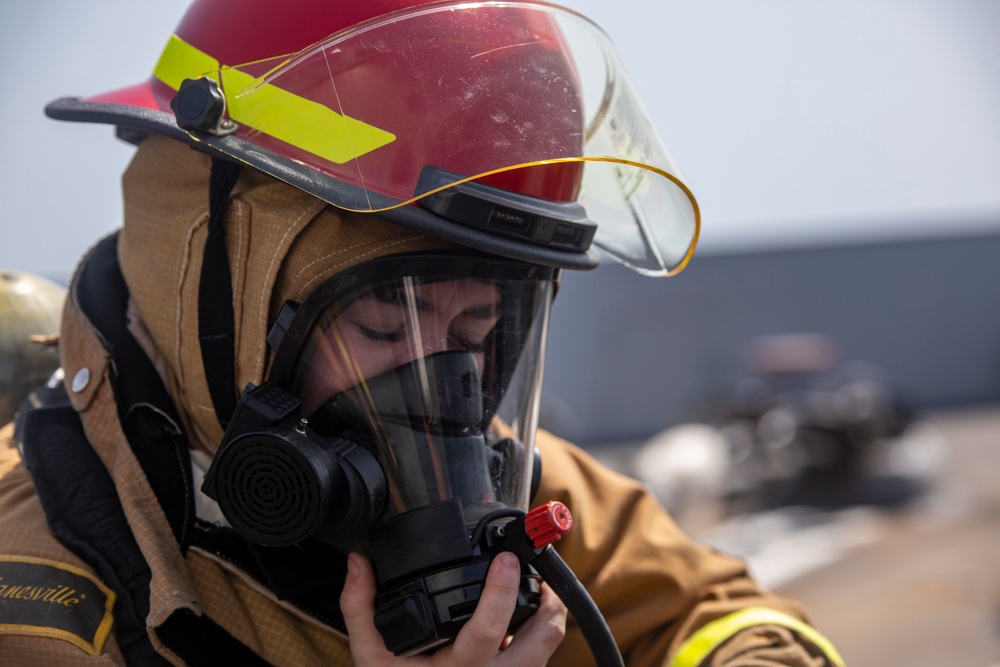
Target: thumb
<point x="357" y="604"/>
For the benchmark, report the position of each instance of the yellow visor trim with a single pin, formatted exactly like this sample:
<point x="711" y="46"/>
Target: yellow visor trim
<point x="273" y="111"/>
<point x="703" y="642"/>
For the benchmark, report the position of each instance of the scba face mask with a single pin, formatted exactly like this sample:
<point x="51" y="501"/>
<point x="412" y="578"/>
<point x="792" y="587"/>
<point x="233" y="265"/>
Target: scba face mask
<point x="398" y="419"/>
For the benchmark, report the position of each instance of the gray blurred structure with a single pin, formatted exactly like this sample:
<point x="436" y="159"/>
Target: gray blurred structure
<point x="627" y="353"/>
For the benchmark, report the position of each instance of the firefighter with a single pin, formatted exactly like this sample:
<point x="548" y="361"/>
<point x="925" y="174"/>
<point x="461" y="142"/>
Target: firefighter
<point x="298" y="422"/>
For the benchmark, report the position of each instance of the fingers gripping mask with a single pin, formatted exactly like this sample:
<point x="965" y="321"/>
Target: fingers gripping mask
<point x="398" y="417"/>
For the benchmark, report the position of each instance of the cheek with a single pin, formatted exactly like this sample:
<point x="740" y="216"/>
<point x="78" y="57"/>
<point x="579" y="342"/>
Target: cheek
<point x="324" y="377"/>
<point x="344" y="359"/>
<point x="369" y="358"/>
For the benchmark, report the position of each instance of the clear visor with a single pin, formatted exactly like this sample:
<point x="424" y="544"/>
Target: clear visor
<point x="439" y="378"/>
<point x="526" y="96"/>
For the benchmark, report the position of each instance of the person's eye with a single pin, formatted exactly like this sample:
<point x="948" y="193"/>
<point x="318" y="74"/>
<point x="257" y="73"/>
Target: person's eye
<point x="395" y="336"/>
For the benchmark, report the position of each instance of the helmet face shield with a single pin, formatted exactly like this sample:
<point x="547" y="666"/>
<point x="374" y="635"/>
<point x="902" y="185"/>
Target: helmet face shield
<point x="524" y="96"/>
<point x="435" y="370"/>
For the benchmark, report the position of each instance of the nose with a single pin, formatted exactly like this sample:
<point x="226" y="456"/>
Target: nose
<point x="434" y="339"/>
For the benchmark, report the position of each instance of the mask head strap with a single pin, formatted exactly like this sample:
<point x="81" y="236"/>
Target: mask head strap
<point x="216" y="327"/>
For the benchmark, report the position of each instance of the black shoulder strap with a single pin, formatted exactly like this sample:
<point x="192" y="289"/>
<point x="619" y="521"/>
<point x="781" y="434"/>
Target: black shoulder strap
<point x="216" y="325"/>
<point x="79" y="497"/>
<point x="85" y="514"/>
<point x="146" y="411"/>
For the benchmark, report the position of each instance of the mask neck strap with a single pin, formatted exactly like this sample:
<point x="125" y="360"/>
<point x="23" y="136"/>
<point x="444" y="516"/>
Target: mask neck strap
<point x="216" y="324"/>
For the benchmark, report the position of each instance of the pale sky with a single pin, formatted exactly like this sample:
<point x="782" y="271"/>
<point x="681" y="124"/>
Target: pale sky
<point x="793" y="122"/>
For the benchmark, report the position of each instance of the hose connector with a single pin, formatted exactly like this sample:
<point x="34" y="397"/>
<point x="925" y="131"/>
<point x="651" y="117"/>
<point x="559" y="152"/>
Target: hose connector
<point x="547" y="523"/>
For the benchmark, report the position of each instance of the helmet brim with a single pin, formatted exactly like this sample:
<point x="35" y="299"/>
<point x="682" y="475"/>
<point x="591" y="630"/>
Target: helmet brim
<point x="134" y="121"/>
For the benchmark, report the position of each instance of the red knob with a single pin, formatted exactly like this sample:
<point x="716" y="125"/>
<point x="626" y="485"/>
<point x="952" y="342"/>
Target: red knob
<point x="548" y="523"/>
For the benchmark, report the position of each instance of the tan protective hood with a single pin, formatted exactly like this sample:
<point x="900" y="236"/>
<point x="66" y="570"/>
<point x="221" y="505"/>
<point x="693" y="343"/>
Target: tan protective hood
<point x="282" y="243"/>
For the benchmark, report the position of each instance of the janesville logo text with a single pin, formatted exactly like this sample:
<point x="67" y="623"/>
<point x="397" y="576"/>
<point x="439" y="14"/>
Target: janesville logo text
<point x="47" y="598"/>
<point x="62" y="595"/>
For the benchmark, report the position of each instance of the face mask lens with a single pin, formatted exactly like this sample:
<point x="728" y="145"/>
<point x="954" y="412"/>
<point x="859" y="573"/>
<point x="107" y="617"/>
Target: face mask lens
<point x="438" y="377"/>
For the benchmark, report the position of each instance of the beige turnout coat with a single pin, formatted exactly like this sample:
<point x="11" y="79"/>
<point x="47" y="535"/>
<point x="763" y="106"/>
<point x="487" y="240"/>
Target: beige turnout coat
<point x="668" y="601"/>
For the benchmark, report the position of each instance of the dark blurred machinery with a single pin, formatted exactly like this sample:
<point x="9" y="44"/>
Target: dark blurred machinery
<point x="798" y="430"/>
<point x="30" y="310"/>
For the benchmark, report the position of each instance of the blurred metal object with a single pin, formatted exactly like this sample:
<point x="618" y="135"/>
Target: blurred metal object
<point x="30" y="312"/>
<point x="798" y="430"/>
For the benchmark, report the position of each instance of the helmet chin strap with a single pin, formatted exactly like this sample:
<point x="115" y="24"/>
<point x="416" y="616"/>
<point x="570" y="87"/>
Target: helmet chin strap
<point x="216" y="326"/>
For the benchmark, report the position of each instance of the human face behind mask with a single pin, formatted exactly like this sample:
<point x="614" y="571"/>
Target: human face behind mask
<point x="394" y="324"/>
<point x="431" y="362"/>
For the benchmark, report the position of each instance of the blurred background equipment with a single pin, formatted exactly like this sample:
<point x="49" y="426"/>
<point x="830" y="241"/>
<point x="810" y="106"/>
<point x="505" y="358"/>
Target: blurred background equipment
<point x="882" y="519"/>
<point x="800" y="429"/>
<point x="30" y="311"/>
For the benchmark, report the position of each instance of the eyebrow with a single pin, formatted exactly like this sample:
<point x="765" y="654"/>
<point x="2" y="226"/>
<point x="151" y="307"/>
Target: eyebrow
<point x="487" y="312"/>
<point x="491" y="311"/>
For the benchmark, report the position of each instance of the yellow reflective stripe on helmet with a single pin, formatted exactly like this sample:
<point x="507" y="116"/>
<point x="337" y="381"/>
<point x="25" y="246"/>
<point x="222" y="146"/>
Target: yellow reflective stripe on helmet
<point x="295" y="120"/>
<point x="701" y="644"/>
<point x="272" y="110"/>
<point x="180" y="61"/>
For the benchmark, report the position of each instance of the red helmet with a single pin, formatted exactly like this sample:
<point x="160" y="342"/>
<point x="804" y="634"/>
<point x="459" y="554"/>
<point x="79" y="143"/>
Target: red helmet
<point x="510" y="126"/>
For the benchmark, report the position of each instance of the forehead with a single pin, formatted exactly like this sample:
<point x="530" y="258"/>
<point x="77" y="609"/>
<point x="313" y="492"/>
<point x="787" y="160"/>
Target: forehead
<point x="476" y="296"/>
<point x="468" y="287"/>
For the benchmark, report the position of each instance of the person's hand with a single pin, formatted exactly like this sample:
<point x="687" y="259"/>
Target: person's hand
<point x="481" y="641"/>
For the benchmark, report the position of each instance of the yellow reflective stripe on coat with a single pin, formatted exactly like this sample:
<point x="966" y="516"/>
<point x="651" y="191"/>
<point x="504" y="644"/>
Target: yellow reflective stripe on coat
<point x="701" y="644"/>
<point x="272" y="110"/>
